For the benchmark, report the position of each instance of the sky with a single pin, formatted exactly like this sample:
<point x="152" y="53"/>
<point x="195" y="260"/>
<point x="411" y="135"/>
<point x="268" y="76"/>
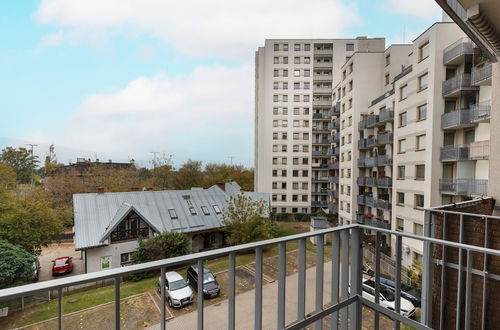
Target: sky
<point x="120" y="79"/>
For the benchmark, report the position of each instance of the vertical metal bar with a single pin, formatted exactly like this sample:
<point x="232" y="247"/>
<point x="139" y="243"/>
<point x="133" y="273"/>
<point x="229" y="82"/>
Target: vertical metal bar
<point x="427" y="271"/>
<point x="485" y="269"/>
<point x="117" y="303"/>
<point x="378" y="241"/>
<point x="356" y="277"/>
<point x="301" y="294"/>
<point x="59" y="308"/>
<point x="162" y="299"/>
<point x="334" y="321"/>
<point x="397" y="302"/>
<point x="258" y="289"/>
<point x="459" y="282"/>
<point x="320" y="247"/>
<point x="232" y="291"/>
<point x="281" y="285"/>
<point x="468" y="289"/>
<point x="344" y="279"/>
<point x="199" y="306"/>
<point x="443" y="274"/>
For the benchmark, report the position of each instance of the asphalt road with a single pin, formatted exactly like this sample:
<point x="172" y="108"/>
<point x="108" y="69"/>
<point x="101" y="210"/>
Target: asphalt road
<point x="53" y="251"/>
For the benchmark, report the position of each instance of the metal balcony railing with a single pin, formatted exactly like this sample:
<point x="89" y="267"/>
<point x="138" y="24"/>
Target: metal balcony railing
<point x="403" y="73"/>
<point x="323" y="65"/>
<point x="371" y="121"/>
<point x="322" y="128"/>
<point x="321" y="116"/>
<point x="362" y="125"/>
<point x="333" y="165"/>
<point x="336" y="123"/>
<point x="362" y="144"/>
<point x="319" y="203"/>
<point x="323" y="77"/>
<point x="318" y="153"/>
<point x="333" y="193"/>
<point x="454" y="53"/>
<point x="384" y="182"/>
<point x="479" y="150"/>
<point x="320" y="179"/>
<point x="341" y="308"/>
<point x="322" y="90"/>
<point x="370" y="221"/>
<point x="461" y="82"/>
<point x="321" y="141"/>
<point x="482" y="75"/>
<point x="383" y="204"/>
<point x="454" y="153"/>
<point x="323" y="51"/>
<point x="333" y="179"/>
<point x="386" y="138"/>
<point x="463" y="186"/>
<point x="481" y="112"/>
<point x="385" y="116"/>
<point x="456" y="119"/>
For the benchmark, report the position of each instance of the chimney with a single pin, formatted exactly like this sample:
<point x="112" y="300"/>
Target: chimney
<point x="135" y="189"/>
<point x="100" y="190"/>
<point x="221" y="185"/>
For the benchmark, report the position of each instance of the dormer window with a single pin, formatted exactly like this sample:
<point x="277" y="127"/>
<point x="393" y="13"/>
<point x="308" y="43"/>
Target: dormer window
<point x="172" y="213"/>
<point x="205" y="210"/>
<point x="216" y="209"/>
<point x="191" y="207"/>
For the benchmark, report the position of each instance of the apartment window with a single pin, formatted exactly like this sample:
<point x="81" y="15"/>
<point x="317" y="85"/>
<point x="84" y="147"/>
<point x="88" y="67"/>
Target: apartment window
<point x="275" y="123"/>
<point x="400" y="198"/>
<point x="296" y="85"/>
<point x="306" y="98"/>
<point x="305" y="161"/>
<point x="424" y="51"/>
<point x="305" y="185"/>
<point x="276" y="60"/>
<point x="285" y="98"/>
<point x="306" y="111"/>
<point x="275" y="73"/>
<point x="423" y="81"/>
<point x="296" y="98"/>
<point x="295" y="198"/>
<point x="403" y="92"/>
<point x="295" y="185"/>
<point x="401" y="172"/>
<point x="419" y="201"/>
<point x="285" y="73"/>
<point x="296" y="47"/>
<point x="295" y="136"/>
<point x="126" y="258"/>
<point x="283" y="161"/>
<point x="400" y="224"/>
<point x="275" y="136"/>
<point x="283" y="172"/>
<point x="307" y="60"/>
<point x="285" y="47"/>
<point x="275" y="161"/>
<point x="305" y="148"/>
<point x="296" y="60"/>
<point x="418" y="229"/>
<point x="283" y="148"/>
<point x="276" y="47"/>
<point x="285" y="111"/>
<point x="307" y="73"/>
<point x="283" y="198"/>
<point x="296" y="111"/>
<point x="387" y="79"/>
<point x="401" y="146"/>
<point x="403" y="119"/>
<point x="306" y="85"/>
<point x="305" y="173"/>
<point x="418" y="257"/>
<point x="295" y="161"/>
<point x="304" y="198"/>
<point x="296" y="73"/>
<point x="295" y="148"/>
<point x="275" y="173"/>
<point x="349" y="47"/>
<point x="275" y="85"/>
<point x="295" y="173"/>
<point x="420" y="142"/>
<point x="275" y="111"/>
<point x="387" y="59"/>
<point x="305" y="136"/>
<point x="284" y="136"/>
<point x="419" y="172"/>
<point x="307" y="47"/>
<point x="422" y="112"/>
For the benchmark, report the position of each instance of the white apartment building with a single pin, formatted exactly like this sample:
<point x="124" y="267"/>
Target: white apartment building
<point x="293" y="101"/>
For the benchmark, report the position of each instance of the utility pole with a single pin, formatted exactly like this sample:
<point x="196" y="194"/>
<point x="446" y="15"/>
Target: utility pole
<point x="231" y="158"/>
<point x="32" y="163"/>
<point x="154" y="160"/>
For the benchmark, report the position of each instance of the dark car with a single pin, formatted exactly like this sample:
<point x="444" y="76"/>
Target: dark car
<point x="211" y="287"/>
<point x="407" y="291"/>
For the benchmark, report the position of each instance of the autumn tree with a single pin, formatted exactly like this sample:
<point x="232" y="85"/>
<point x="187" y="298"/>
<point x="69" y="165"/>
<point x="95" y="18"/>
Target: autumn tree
<point x="50" y="163"/>
<point x="21" y="160"/>
<point x="244" y="221"/>
<point x="189" y="175"/>
<point x="8" y="177"/>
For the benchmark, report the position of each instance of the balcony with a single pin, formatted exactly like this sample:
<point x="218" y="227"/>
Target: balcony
<point x="366" y="200"/>
<point x="323" y="65"/>
<point x="336" y="137"/>
<point x="375" y="161"/>
<point x="334" y="165"/>
<point x="322" y="90"/>
<point x="481" y="76"/>
<point x="481" y="112"/>
<point x="286" y="303"/>
<point x="385" y="116"/>
<point x="318" y="153"/>
<point x="321" y="129"/>
<point x="463" y="187"/>
<point x="383" y="204"/>
<point x="321" y="142"/>
<point x="466" y="117"/>
<point x="319" y="203"/>
<point x="456" y="52"/>
<point x="323" y="52"/>
<point x="383" y="97"/>
<point x="334" y="151"/>
<point x="323" y="77"/>
<point x="370" y="221"/>
<point x="333" y="193"/>
<point x="322" y="103"/>
<point x="336" y="123"/>
<point x="384" y="182"/>
<point x="321" y="191"/>
<point x="333" y="179"/>
<point x="383" y="139"/>
<point x="479" y="150"/>
<point x="362" y="125"/>
<point x="460" y="83"/>
<point x="129" y="234"/>
<point x="319" y="178"/>
<point x="321" y="116"/>
<point x="454" y="153"/>
<point x="371" y="121"/>
<point x="366" y="181"/>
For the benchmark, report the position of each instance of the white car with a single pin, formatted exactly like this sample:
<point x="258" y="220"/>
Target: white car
<point x="387" y="299"/>
<point x="177" y="291"/>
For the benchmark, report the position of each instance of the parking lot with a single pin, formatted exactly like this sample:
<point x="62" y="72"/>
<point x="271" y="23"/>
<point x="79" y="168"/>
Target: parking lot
<point x="49" y="253"/>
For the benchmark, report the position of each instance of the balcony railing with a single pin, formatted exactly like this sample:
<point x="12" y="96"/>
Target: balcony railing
<point x="479" y="150"/>
<point x="461" y="82"/>
<point x="454" y="153"/>
<point x="128" y="234"/>
<point x="371" y="121"/>
<point x="323" y="103"/>
<point x="319" y="203"/>
<point x="362" y="125"/>
<point x="322" y="129"/>
<point x="383" y="204"/>
<point x="454" y="53"/>
<point x="333" y="165"/>
<point x="375" y="161"/>
<point x="338" y="301"/>
<point x="323" y="51"/>
<point x="481" y="112"/>
<point x="384" y="182"/>
<point x="323" y="65"/>
<point x="318" y="153"/>
<point x="323" y="77"/>
<point x="333" y="193"/>
<point x="336" y="123"/>
<point x="322" y="90"/>
<point x="463" y="186"/>
<point x="383" y="97"/>
<point x="322" y="141"/>
<point x="370" y="221"/>
<point x="321" y="116"/>
<point x="482" y="75"/>
<point x="320" y="179"/>
<point x="386" y="138"/>
<point x="465" y="117"/>
<point x="333" y="179"/>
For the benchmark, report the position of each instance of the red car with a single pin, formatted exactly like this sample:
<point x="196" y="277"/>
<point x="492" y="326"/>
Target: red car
<point x="62" y="265"/>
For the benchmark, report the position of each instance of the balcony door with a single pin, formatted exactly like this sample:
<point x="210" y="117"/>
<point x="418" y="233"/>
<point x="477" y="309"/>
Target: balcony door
<point x="469" y="136"/>
<point x="448" y="171"/>
<point x="449" y="139"/>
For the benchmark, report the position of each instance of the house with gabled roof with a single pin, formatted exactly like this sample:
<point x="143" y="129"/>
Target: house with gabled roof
<point x="108" y="225"/>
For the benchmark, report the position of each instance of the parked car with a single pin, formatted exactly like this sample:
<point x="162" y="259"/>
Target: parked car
<point x="211" y="287"/>
<point x="407" y="291"/>
<point x="36" y="269"/>
<point x="387" y="299"/>
<point x="177" y="291"/>
<point x="62" y="265"/>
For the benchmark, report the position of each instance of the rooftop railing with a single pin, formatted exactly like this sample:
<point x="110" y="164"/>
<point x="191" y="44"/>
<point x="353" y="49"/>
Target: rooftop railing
<point x="337" y="284"/>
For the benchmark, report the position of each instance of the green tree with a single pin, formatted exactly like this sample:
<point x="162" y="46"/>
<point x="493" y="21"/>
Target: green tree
<point x="415" y="274"/>
<point x="16" y="265"/>
<point x="243" y="220"/>
<point x="188" y="176"/>
<point x="50" y="163"/>
<point x="8" y="177"/>
<point x="21" y="161"/>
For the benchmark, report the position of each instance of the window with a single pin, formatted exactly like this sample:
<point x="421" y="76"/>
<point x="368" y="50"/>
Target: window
<point x="401" y="146"/>
<point x="285" y="60"/>
<point x="307" y="73"/>
<point x="285" y="98"/>
<point x="275" y="98"/>
<point x="403" y="119"/>
<point x="296" y="60"/>
<point x="285" y="85"/>
<point x="296" y="111"/>
<point x="276" y="60"/>
<point x="106" y="262"/>
<point x="275" y="161"/>
<point x="422" y="112"/>
<point x="296" y="47"/>
<point x="418" y="257"/>
<point x="296" y="98"/>
<point x="306" y="98"/>
<point x="305" y="185"/>
<point x="387" y="59"/>
<point x="296" y="73"/>
<point x="305" y="173"/>
<point x="295" y="161"/>
<point x="216" y="209"/>
<point x="125" y="258"/>
<point x="423" y="81"/>
<point x="419" y="172"/>
<point x="296" y="123"/>
<point x="307" y="60"/>
<point x="275" y="73"/>
<point x="349" y="47"/>
<point x="424" y="51"/>
<point x="295" y="173"/>
<point x="403" y="92"/>
<point x="191" y="207"/>
<point x="285" y="73"/>
<point x="401" y="172"/>
<point x="400" y="198"/>
<point x="400" y="224"/>
<point x="295" y="198"/>
<point x="306" y="85"/>
<point x="275" y="123"/>
<point x="420" y="142"/>
<point x="418" y="229"/>
<point x="275" y="85"/>
<point x="295" y="135"/>
<point x="387" y="79"/>
<point x="275" y="173"/>
<point x="205" y="210"/>
<point x="285" y="111"/>
<point x="307" y="47"/>
<point x="304" y="198"/>
<point x="296" y="85"/>
<point x="419" y="201"/>
<point x="172" y="213"/>
<point x="276" y="47"/>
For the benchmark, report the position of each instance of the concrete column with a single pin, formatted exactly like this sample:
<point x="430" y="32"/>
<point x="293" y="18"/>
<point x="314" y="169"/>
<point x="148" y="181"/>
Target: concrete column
<point x="494" y="175"/>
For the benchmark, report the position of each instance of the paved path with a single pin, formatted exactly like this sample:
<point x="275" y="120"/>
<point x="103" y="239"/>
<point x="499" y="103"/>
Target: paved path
<point x="216" y="315"/>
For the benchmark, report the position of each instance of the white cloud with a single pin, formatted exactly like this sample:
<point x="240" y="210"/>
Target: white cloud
<point x="419" y="8"/>
<point x="224" y="28"/>
<point x="207" y="115"/>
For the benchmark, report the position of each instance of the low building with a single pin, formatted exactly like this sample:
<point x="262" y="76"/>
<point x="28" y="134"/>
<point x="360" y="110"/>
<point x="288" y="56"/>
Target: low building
<point x="109" y="225"/>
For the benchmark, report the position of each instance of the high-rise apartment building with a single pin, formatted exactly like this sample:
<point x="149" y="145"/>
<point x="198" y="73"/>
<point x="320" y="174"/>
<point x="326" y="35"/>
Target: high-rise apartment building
<point x="293" y="101"/>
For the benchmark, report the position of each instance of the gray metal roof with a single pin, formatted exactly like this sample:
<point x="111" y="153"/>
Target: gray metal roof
<point x="96" y="215"/>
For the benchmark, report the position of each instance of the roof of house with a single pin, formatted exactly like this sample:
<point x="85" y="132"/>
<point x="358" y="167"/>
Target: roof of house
<point x="96" y="215"/>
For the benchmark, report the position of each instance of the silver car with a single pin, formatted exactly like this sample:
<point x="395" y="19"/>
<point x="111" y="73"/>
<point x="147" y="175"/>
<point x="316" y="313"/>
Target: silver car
<point x="177" y="291"/>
